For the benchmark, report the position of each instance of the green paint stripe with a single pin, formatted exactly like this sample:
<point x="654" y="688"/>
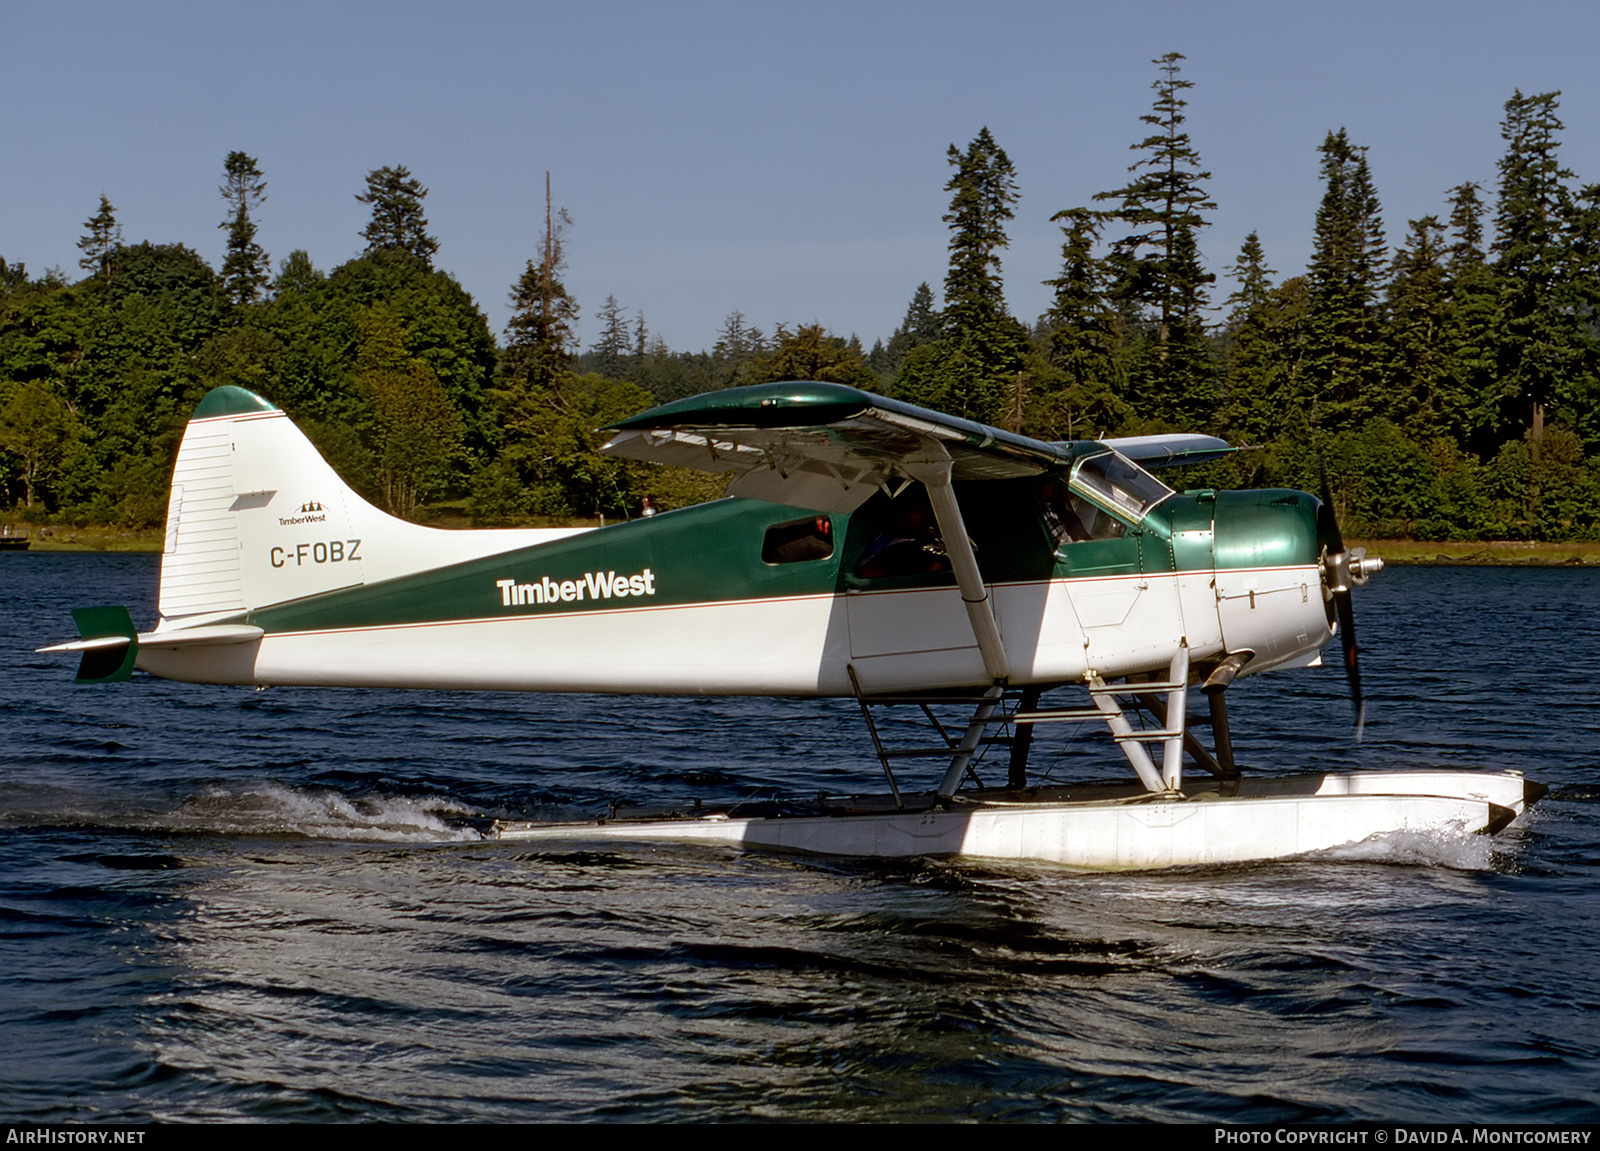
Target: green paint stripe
<point x="711" y="555"/>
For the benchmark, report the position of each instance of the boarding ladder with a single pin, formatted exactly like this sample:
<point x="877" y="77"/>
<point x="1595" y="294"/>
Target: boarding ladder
<point x="1006" y="716"/>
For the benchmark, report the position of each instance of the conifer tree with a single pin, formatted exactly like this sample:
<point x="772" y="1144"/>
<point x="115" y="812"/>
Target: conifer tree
<point x="397" y="217"/>
<point x="246" y="268"/>
<point x="1578" y="296"/>
<point x="983" y="189"/>
<point x="1252" y="389"/>
<point x="1158" y="277"/>
<point x="547" y="414"/>
<point x="1471" y="335"/>
<point x="1421" y="399"/>
<point x="103" y="239"/>
<point x="1536" y="345"/>
<point x="920" y="328"/>
<point x="540" y="335"/>
<point x="1080" y="375"/>
<point x="973" y="368"/>
<point x="737" y="343"/>
<point x="1348" y="256"/>
<point x="1466" y="225"/>
<point x="1252" y="275"/>
<point x="610" y="351"/>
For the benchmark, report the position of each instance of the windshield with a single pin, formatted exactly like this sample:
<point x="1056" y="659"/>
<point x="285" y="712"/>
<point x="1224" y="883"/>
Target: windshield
<point x="1119" y="484"/>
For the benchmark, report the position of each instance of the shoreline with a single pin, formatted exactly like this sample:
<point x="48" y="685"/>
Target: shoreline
<point x="92" y="538"/>
<point x="1420" y="553"/>
<point x="1482" y="553"/>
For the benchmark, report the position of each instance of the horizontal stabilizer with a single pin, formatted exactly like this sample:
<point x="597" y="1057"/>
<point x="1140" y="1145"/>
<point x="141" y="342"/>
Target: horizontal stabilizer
<point x="111" y="643"/>
<point x="102" y="643"/>
<point x="211" y="635"/>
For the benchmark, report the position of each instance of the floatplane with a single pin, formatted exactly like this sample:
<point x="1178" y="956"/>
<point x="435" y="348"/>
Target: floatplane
<point x="867" y="549"/>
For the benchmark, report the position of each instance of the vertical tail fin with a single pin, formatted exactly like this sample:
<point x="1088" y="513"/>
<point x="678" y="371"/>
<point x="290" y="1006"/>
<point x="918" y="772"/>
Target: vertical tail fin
<point x="258" y="517"/>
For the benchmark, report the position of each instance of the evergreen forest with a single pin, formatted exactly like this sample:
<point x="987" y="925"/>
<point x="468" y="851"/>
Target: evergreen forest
<point x="1449" y="382"/>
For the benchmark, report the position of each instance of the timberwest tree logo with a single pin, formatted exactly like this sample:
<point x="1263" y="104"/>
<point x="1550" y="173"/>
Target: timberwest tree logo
<point x="310" y="512"/>
<point x="594" y="586"/>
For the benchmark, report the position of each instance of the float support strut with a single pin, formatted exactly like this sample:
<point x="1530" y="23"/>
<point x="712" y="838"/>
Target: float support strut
<point x="1122" y="731"/>
<point x="969" y="742"/>
<point x="1177" y="718"/>
<point x="1022" y="740"/>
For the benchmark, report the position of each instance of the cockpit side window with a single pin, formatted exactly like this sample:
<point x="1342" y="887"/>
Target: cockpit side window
<point x="1069" y="518"/>
<point x="1116" y="482"/>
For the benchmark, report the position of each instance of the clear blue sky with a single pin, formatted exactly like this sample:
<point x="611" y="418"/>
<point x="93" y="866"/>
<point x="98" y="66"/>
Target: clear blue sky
<point x="783" y="159"/>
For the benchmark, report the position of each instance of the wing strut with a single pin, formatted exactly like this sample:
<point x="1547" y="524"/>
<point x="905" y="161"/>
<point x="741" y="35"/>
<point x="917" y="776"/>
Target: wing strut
<point x="932" y="468"/>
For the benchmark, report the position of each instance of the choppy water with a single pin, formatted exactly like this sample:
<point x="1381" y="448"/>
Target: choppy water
<point x="218" y="903"/>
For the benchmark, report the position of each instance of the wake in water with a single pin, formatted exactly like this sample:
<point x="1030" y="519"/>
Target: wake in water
<point x="324" y="813"/>
<point x="260" y="809"/>
<point x="1458" y="849"/>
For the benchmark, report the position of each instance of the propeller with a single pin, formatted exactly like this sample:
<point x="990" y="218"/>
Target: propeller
<point x="1341" y="570"/>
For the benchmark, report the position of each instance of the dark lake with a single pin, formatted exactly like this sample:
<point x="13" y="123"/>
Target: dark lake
<point x="217" y="903"/>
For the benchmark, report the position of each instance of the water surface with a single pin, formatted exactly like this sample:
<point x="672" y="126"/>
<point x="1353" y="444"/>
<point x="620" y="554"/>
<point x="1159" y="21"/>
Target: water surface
<point x="222" y="903"/>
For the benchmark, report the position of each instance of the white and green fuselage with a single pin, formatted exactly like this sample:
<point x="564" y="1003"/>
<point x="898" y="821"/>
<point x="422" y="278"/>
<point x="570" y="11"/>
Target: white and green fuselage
<point x="276" y="573"/>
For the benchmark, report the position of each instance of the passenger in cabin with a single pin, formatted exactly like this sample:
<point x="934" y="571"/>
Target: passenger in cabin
<point x="798" y="541"/>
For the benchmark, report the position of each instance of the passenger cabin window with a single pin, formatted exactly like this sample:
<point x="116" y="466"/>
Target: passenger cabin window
<point x="798" y="541"/>
<point x="1118" y="483"/>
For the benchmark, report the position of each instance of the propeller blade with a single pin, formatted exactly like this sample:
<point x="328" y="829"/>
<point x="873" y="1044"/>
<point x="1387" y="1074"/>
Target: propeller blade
<point x="1332" y="541"/>
<point x="1327" y="522"/>
<point x="1352" y="663"/>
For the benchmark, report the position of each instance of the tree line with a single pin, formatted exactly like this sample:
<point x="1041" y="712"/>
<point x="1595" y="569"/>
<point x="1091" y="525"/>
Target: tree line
<point x="1448" y="386"/>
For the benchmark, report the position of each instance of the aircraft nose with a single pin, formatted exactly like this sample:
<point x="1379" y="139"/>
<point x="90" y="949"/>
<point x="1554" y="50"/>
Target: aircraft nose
<point x="1268" y="582"/>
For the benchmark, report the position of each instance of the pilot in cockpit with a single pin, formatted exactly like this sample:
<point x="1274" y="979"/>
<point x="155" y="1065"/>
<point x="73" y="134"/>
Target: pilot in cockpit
<point x="1069" y="518"/>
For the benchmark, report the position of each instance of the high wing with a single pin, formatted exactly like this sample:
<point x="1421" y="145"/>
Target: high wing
<point x="829" y="446"/>
<point x="1170" y="449"/>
